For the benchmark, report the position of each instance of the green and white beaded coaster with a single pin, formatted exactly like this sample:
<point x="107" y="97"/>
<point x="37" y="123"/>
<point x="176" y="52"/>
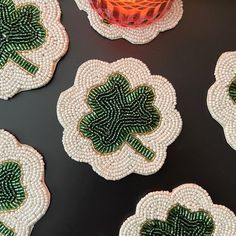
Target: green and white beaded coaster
<point x="119" y="118"/>
<point x="221" y="99"/>
<point x="140" y="35"/>
<point x="24" y="197"/>
<point x="32" y="40"/>
<point x="187" y="210"/>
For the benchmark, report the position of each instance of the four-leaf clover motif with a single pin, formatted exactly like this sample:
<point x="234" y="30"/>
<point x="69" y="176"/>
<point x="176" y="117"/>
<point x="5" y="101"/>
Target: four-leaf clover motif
<point x="118" y="114"/>
<point x="20" y="30"/>
<point x="180" y="222"/>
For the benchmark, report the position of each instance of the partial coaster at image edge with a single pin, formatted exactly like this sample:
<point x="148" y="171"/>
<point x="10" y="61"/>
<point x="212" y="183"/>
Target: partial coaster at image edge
<point x="24" y="195"/>
<point x="140" y="35"/>
<point x="33" y="42"/>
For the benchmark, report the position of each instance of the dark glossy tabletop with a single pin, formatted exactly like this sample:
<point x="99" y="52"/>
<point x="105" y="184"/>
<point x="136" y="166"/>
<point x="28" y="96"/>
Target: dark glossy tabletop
<point x="83" y="203"/>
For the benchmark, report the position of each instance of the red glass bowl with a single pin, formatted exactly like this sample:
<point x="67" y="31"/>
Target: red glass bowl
<point x="131" y="13"/>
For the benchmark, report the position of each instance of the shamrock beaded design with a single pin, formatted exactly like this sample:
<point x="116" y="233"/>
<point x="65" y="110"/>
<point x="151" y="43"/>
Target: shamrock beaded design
<point x="186" y="211"/>
<point x="180" y="222"/>
<point x="32" y="41"/>
<point x="119" y="118"/>
<point x="20" y="30"/>
<point x="24" y="197"/>
<point x="5" y="231"/>
<point x="12" y="193"/>
<point x="118" y="114"/>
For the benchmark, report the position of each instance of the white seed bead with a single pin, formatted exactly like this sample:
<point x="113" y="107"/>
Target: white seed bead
<point x="14" y="79"/>
<point x="156" y="205"/>
<point x="220" y="104"/>
<point x="22" y="219"/>
<point x="72" y="106"/>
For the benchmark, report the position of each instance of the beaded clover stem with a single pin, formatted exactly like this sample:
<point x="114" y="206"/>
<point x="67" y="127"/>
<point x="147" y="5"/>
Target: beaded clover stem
<point x="119" y="118"/>
<point x="119" y="113"/>
<point x="140" y="35"/>
<point x="24" y="197"/>
<point x="221" y="99"/>
<point x="20" y="30"/>
<point x="32" y="40"/>
<point x="187" y="210"/>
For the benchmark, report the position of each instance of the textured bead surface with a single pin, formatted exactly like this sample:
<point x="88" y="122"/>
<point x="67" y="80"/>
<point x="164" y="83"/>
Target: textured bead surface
<point x="134" y="35"/>
<point x="187" y="210"/>
<point x="5" y="231"/>
<point x="32" y="40"/>
<point x="222" y="96"/>
<point x="12" y="193"/>
<point x="22" y="179"/>
<point x="77" y="110"/>
<point x="180" y="222"/>
<point x="232" y="89"/>
<point x="118" y="114"/>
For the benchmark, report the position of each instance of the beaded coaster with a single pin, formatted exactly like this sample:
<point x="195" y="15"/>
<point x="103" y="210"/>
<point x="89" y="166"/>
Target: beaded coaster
<point x="119" y="118"/>
<point x="32" y="40"/>
<point x="24" y="197"/>
<point x="187" y="210"/>
<point x="140" y="35"/>
<point x="221" y="98"/>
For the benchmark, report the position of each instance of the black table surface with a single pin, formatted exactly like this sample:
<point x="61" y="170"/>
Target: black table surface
<point x="84" y="203"/>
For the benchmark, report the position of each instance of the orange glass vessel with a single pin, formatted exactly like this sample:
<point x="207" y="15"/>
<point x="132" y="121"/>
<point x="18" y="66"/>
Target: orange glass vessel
<point x="131" y="13"/>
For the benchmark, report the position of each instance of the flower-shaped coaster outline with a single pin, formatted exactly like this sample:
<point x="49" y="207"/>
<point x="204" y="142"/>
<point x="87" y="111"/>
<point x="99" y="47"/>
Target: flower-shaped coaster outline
<point x="72" y="107"/>
<point x="140" y="35"/>
<point x="21" y="219"/>
<point x="221" y="106"/>
<point x="157" y="205"/>
<point x="41" y="61"/>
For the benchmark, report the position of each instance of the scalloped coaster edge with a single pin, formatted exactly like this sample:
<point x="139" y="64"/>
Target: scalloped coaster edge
<point x="119" y="118"/>
<point x="140" y="35"/>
